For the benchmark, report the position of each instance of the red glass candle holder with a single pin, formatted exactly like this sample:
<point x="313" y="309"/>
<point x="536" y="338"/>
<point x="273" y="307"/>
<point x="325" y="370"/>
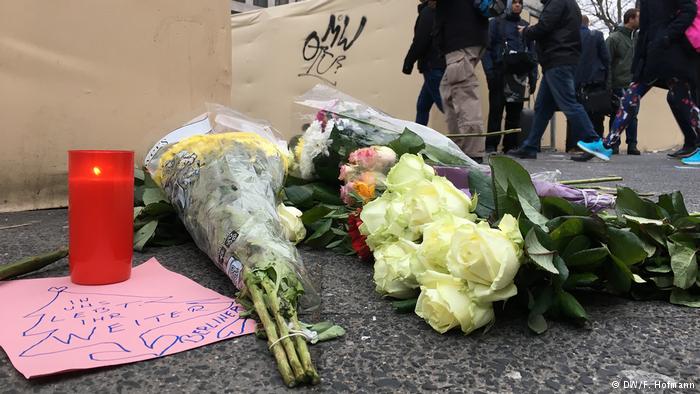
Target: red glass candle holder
<point x="100" y="215"/>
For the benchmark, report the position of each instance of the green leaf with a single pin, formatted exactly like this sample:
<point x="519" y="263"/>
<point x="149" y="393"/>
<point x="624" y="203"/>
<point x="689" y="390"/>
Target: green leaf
<point x="570" y="306"/>
<point x="530" y="211"/>
<point x="331" y="333"/>
<point x="158" y="209"/>
<point x="684" y="265"/>
<point x="619" y="275"/>
<point x="480" y="184"/>
<point x="683" y="297"/>
<point x="299" y="195"/>
<point x="138" y="194"/>
<point x="314" y="214"/>
<point x="538" y="306"/>
<point x="673" y="204"/>
<point x="335" y="243"/>
<point x="593" y="226"/>
<point x="139" y="175"/>
<point x="661" y="269"/>
<point x="153" y="195"/>
<point x="553" y="207"/>
<point x="508" y="174"/>
<point x="581" y="280"/>
<point x="325" y="193"/>
<point x="629" y="203"/>
<point x="626" y="246"/>
<point x="577" y="244"/>
<point x="589" y="258"/>
<point x="137" y="211"/>
<point x="570" y="228"/>
<point x="537" y="323"/>
<point x="144" y="234"/>
<point x="539" y="254"/>
<point x="560" y="265"/>
<point x="324" y="227"/>
<point x="662" y="282"/>
<point x="407" y="142"/>
<point x="640" y="220"/>
<point x="405" y="306"/>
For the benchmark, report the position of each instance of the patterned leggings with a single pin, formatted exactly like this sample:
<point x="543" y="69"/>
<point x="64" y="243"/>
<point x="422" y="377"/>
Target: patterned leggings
<point x="679" y="98"/>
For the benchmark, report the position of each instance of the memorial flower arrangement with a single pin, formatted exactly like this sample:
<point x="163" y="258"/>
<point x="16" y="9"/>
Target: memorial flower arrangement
<point x="225" y="187"/>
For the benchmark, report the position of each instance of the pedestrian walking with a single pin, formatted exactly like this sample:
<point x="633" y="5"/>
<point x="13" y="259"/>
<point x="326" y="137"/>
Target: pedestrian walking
<point x="511" y="73"/>
<point x="663" y="58"/>
<point x="558" y="43"/>
<point x="462" y="35"/>
<point x="431" y="63"/>
<point x="591" y="80"/>
<point x="620" y="45"/>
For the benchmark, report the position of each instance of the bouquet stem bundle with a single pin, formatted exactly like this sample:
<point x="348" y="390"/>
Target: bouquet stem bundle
<point x="287" y="345"/>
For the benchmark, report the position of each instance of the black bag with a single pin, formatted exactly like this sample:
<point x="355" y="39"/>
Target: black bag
<point x="515" y="62"/>
<point x="595" y="98"/>
<point x="518" y="62"/>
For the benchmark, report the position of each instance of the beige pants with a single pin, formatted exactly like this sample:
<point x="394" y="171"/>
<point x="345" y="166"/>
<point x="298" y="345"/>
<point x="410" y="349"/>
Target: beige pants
<point x="459" y="89"/>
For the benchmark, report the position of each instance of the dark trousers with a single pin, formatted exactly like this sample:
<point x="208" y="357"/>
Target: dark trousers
<point x="429" y="95"/>
<point x="497" y="104"/>
<point x="631" y="131"/>
<point x="557" y="91"/>
<point x="680" y="100"/>
<point x="598" y="121"/>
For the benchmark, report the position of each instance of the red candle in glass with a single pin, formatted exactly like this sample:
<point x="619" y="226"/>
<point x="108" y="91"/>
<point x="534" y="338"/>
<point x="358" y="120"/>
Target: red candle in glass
<point x="100" y="215"/>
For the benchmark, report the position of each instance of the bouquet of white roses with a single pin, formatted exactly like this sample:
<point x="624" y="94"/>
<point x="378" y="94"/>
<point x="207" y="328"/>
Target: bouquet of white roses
<point x="425" y="239"/>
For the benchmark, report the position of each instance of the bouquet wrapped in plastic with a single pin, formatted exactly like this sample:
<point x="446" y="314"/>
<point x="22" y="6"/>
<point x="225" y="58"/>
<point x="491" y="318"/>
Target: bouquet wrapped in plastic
<point x="224" y="182"/>
<point x="344" y="124"/>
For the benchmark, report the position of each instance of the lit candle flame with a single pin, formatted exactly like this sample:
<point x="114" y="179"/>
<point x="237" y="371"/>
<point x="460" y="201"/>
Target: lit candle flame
<point x="96" y="170"/>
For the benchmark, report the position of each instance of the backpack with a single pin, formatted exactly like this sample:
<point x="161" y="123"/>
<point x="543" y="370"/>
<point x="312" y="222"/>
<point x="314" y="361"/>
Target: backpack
<point x="492" y="8"/>
<point x="693" y="32"/>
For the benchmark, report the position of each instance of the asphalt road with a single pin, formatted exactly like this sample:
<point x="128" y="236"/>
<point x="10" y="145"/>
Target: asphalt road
<point x="625" y="341"/>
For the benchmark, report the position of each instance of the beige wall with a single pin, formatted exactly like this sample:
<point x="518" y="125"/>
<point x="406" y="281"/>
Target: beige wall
<point x="267" y="60"/>
<point x="113" y="74"/>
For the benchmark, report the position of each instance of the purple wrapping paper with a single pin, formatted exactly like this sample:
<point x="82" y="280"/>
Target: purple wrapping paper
<point x="591" y="199"/>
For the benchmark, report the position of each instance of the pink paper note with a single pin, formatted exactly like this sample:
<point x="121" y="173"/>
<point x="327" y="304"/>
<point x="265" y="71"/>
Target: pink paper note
<point x="52" y="325"/>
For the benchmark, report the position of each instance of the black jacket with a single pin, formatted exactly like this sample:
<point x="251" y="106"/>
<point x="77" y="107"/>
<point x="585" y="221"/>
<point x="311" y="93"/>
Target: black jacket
<point x="557" y="34"/>
<point x="459" y="25"/>
<point x="424" y="48"/>
<point x="594" y="67"/>
<point x="663" y="52"/>
<point x="503" y="31"/>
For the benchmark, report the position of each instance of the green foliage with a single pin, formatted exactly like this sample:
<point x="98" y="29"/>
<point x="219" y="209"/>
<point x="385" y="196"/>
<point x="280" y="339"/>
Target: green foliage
<point x="155" y="220"/>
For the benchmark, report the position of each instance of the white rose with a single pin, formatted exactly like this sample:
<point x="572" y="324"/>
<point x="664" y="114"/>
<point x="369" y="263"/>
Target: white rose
<point x="290" y="218"/>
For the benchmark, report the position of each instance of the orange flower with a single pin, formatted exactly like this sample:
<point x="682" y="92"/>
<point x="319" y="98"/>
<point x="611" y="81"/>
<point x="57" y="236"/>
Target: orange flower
<point x="366" y="191"/>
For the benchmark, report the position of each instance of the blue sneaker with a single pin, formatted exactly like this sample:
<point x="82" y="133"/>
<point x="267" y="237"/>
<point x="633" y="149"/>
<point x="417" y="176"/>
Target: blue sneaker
<point x="693" y="160"/>
<point x="596" y="148"/>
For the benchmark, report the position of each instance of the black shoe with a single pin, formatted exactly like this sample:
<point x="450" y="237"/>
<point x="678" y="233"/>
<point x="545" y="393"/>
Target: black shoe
<point x="683" y="152"/>
<point x="632" y="150"/>
<point x="522" y="153"/>
<point x="585" y="156"/>
<point x="616" y="150"/>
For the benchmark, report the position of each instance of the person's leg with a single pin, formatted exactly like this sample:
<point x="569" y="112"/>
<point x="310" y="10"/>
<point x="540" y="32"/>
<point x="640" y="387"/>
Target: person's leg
<point x="424" y="103"/>
<point x="433" y="84"/>
<point x="544" y="110"/>
<point x="562" y="88"/>
<point x="598" y="121"/>
<point x="496" y="105"/>
<point x="629" y="108"/>
<point x="462" y="85"/>
<point x="684" y="110"/>
<point x="570" y="142"/>
<point x="513" y="111"/>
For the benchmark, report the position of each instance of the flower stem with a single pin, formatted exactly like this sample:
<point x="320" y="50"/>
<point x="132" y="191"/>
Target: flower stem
<point x="286" y="342"/>
<point x="277" y="351"/>
<point x="31" y="264"/>
<point x="303" y="351"/>
<point x="592" y="180"/>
